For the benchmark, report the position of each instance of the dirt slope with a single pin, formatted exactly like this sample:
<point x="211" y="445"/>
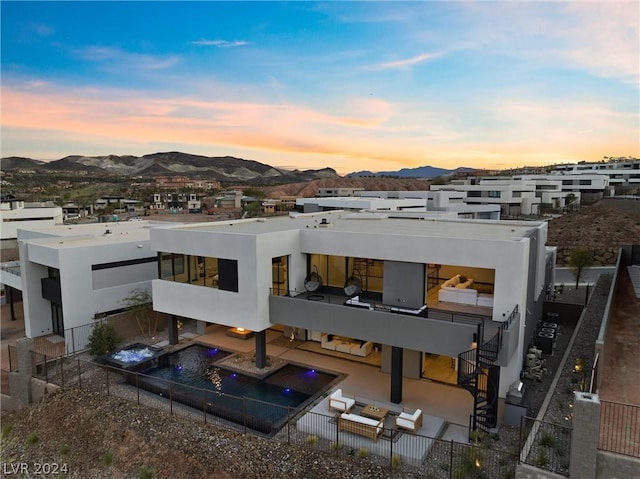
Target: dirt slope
<point x="599" y="229"/>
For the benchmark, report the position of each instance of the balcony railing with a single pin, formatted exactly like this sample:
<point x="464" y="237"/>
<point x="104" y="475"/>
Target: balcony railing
<point x="354" y="302"/>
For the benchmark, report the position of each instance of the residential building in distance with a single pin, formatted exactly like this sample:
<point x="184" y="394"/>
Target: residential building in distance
<point x="176" y="201"/>
<point x="399" y="283"/>
<point x="527" y="195"/>
<point x="439" y="203"/>
<point x="623" y="173"/>
<point x="339" y="192"/>
<point x="16" y="213"/>
<point x="184" y="182"/>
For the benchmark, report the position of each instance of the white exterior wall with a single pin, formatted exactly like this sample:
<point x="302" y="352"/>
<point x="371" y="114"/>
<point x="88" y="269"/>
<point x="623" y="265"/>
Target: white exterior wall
<point x="12" y="220"/>
<point x="247" y="308"/>
<point x="74" y="257"/>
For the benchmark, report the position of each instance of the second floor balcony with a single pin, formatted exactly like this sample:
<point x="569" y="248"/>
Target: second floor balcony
<point x="448" y="329"/>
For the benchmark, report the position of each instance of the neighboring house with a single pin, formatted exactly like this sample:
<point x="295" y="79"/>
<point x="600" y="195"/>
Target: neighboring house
<point x="340" y="192"/>
<point x="515" y="198"/>
<point x="180" y="182"/>
<point x="175" y="201"/>
<point x="526" y="194"/>
<point x="622" y="173"/>
<point x="439" y="203"/>
<point x="71" y="273"/>
<point x="357" y="203"/>
<point x="15" y="213"/>
<point x="554" y="189"/>
<point x="259" y="273"/>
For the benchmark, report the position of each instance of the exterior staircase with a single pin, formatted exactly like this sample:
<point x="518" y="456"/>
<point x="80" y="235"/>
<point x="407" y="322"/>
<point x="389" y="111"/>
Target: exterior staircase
<point x="473" y="375"/>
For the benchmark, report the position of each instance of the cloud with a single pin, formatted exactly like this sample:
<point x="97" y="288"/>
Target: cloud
<point x="219" y="43"/>
<point x="111" y="57"/>
<point x="604" y="39"/>
<point x="406" y="63"/>
<point x="42" y="30"/>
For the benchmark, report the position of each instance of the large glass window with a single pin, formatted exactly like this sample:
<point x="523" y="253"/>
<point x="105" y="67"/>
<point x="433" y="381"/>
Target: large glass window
<point x="199" y="270"/>
<point x="336" y="269"/>
<point x="280" y="276"/>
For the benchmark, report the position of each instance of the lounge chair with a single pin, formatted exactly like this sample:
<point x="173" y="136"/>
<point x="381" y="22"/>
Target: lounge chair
<point x="340" y="402"/>
<point x="409" y="421"/>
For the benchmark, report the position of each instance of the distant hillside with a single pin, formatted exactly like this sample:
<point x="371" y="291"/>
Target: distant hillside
<point x="419" y="172"/>
<point x="598" y="228"/>
<point x="223" y="168"/>
<point x="19" y="163"/>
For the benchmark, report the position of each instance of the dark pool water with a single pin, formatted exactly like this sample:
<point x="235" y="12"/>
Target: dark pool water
<point x="191" y="376"/>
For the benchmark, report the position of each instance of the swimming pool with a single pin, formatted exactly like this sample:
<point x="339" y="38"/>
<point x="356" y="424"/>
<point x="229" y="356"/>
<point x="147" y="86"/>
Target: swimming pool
<point x="191" y="376"/>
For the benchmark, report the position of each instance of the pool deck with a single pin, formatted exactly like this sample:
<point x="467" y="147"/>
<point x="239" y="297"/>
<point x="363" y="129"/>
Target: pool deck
<point x="449" y="406"/>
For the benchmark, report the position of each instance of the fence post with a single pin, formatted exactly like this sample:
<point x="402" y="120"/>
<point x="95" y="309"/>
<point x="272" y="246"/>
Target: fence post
<point x="244" y="414"/>
<point x="73" y="341"/>
<point x="171" y="397"/>
<point x="337" y="434"/>
<point x="390" y="446"/>
<point x="584" y="437"/>
<point x="288" y="424"/>
<point x="451" y="458"/>
<point x="204" y="405"/>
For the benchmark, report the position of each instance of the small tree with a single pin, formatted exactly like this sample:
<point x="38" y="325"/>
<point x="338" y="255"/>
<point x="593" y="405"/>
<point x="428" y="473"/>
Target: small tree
<point x="103" y="339"/>
<point x="579" y="260"/>
<point x="139" y="304"/>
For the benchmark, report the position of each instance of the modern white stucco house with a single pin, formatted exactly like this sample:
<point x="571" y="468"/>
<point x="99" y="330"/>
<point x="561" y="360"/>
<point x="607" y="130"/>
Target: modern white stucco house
<point x="71" y="273"/>
<point x="16" y="214"/>
<point x="255" y="274"/>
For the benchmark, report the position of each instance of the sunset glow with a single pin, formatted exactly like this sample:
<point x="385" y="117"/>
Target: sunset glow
<point x="352" y="86"/>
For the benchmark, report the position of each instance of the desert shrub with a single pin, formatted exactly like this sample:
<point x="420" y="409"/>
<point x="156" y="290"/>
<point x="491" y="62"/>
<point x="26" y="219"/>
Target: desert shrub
<point x="33" y="437"/>
<point x="145" y="473"/>
<point x="6" y="429"/>
<point x="107" y="459"/>
<point x="103" y="340"/>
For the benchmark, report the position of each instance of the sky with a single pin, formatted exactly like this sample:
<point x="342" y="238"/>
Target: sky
<point x="353" y="86"/>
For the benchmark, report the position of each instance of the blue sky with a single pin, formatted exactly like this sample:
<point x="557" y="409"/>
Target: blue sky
<point x="348" y="85"/>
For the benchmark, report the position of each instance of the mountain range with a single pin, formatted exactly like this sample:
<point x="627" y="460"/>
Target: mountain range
<point x="223" y="168"/>
<point x="419" y="172"/>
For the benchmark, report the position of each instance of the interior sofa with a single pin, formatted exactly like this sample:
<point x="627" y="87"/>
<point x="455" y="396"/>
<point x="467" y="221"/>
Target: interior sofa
<point x="455" y="290"/>
<point x="340" y="402"/>
<point x="341" y="344"/>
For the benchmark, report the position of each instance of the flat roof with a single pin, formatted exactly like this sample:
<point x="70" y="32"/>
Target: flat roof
<point x="92" y="234"/>
<point x="388" y="223"/>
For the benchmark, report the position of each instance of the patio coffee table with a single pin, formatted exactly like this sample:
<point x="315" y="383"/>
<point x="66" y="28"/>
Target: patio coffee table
<point x="374" y="412"/>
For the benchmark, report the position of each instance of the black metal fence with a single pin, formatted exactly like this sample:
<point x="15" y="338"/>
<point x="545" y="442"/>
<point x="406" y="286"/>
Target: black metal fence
<point x="619" y="428"/>
<point x="546" y="445"/>
<point x="386" y="447"/>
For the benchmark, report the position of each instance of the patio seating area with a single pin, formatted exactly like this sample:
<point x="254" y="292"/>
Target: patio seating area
<point x="358" y="430"/>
